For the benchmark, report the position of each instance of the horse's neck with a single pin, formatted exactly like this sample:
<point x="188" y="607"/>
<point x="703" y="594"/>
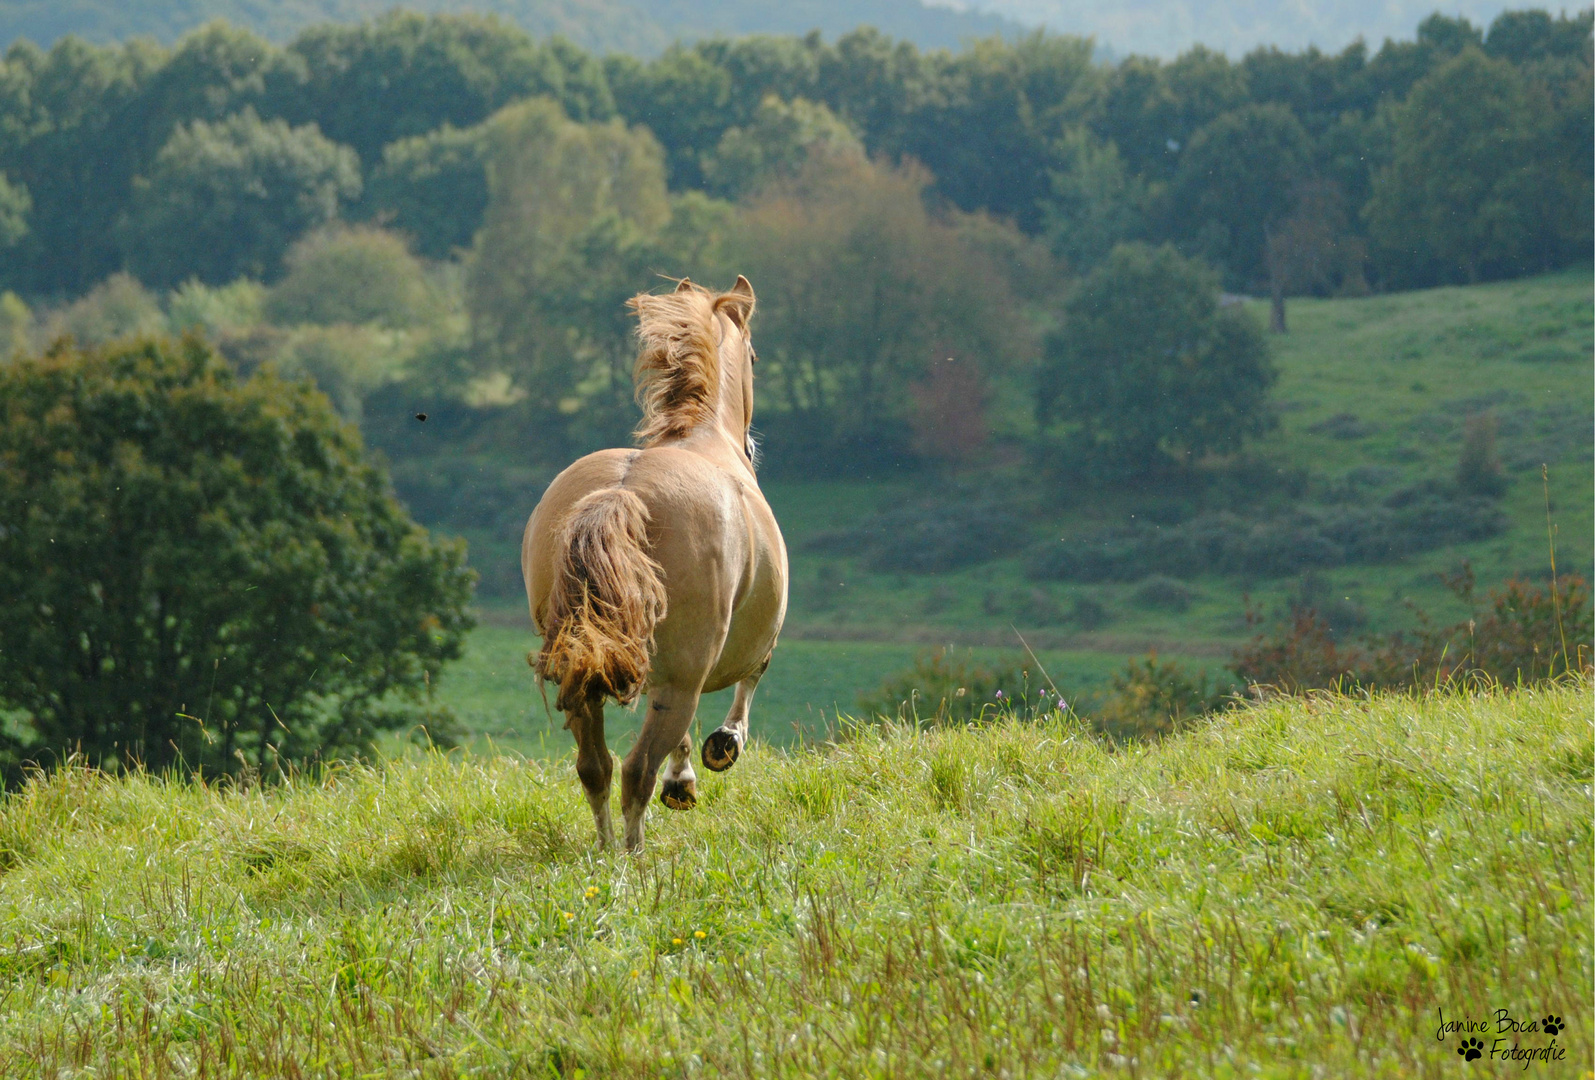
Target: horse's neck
<point x="711" y="440"/>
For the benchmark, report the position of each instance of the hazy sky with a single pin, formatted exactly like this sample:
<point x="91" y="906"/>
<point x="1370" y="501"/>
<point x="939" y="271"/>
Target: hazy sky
<point x="1166" y="27"/>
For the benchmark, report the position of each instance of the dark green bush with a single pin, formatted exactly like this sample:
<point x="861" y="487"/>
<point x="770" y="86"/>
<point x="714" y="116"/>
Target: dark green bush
<point x="203" y="572"/>
<point x="1414" y="519"/>
<point x="1152" y="698"/>
<point x="1478" y="466"/>
<point x="1521" y="633"/>
<point x="945" y="688"/>
<point x="928" y="538"/>
<point x="1163" y="593"/>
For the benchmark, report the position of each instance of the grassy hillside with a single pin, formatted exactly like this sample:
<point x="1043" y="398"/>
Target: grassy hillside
<point x="601" y="25"/>
<point x="1296" y="889"/>
<point x="1372" y="396"/>
<point x="492" y="690"/>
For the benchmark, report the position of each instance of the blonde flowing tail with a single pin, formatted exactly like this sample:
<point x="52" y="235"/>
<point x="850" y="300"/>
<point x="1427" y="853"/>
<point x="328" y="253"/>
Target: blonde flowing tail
<point x="608" y="596"/>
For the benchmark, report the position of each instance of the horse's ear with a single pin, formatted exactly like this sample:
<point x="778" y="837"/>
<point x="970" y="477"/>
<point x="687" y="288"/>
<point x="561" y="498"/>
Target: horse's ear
<point x="685" y="285"/>
<point x="738" y="303"/>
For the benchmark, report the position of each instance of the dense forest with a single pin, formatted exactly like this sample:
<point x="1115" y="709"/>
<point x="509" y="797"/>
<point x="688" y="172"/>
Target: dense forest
<point x="444" y="214"/>
<point x="639" y="27"/>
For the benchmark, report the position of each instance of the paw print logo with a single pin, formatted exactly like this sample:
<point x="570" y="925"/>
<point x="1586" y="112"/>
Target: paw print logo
<point x="1471" y="1049"/>
<point x="1552" y="1025"/>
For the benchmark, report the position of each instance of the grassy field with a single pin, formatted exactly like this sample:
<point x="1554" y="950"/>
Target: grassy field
<point x="1299" y="889"/>
<point x="1376" y="386"/>
<point x="492" y="690"/>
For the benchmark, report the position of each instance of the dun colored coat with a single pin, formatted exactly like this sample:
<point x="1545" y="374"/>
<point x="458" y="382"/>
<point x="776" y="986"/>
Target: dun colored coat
<point x="661" y="570"/>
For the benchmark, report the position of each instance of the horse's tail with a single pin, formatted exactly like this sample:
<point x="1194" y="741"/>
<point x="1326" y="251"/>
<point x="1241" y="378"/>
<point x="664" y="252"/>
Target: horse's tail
<point x="608" y="596"/>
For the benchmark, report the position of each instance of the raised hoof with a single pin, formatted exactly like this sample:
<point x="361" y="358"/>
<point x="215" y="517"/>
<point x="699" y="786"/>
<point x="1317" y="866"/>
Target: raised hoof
<point x="679" y="794"/>
<point x="720" y="751"/>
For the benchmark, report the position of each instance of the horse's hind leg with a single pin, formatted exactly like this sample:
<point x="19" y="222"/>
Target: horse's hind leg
<point x="663" y="734"/>
<point x="724" y="744"/>
<point x="678" y="788"/>
<point x="593" y="763"/>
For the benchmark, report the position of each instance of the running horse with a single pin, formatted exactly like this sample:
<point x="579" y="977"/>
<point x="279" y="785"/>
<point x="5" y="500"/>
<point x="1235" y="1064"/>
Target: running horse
<point x="661" y="570"/>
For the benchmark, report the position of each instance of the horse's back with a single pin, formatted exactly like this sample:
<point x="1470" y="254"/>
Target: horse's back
<point x="713" y="534"/>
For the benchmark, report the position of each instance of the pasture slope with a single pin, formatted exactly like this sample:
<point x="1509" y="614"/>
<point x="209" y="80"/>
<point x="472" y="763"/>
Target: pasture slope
<point x="1373" y="396"/>
<point x="1296" y="889"/>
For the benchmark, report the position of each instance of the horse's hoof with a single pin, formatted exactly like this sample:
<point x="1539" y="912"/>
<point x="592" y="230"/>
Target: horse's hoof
<point x="720" y="751"/>
<point x="679" y="794"/>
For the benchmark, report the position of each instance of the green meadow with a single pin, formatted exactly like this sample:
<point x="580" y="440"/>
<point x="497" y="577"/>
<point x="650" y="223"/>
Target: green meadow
<point x="1376" y="387"/>
<point x="1300" y="888"/>
<point x="801" y="699"/>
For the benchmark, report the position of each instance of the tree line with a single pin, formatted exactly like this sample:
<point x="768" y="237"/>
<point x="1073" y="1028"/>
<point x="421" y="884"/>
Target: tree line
<point x="938" y="236"/>
<point x="1462" y="153"/>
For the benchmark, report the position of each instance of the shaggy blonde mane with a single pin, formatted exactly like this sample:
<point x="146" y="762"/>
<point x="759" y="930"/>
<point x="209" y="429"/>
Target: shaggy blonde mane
<point x="678" y="370"/>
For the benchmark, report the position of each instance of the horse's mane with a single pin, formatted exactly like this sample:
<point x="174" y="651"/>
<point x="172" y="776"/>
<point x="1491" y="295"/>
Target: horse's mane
<point x="678" y="370"/>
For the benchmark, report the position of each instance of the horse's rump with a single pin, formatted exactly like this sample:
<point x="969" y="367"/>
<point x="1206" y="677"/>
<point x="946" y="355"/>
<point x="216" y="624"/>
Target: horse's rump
<point x="606" y="597"/>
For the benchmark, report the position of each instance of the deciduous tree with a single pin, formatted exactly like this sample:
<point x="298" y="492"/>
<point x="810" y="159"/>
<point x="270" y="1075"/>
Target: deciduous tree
<point x="205" y="572"/>
<point x="1147" y="370"/>
<point x="226" y="199"/>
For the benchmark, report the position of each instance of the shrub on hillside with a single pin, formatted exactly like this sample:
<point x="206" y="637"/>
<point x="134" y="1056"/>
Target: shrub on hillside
<point x="945" y="688"/>
<point x="1152" y="698"/>
<point x="1163" y="593"/>
<point x="1414" y="519"/>
<point x="1148" y="371"/>
<point x="928" y="537"/>
<point x="1478" y="466"/>
<point x="202" y="572"/>
<point x="1523" y="633"/>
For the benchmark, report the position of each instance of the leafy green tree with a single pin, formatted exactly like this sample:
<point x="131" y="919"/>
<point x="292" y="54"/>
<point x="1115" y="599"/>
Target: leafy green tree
<point x="210" y="74"/>
<point x="1313" y="249"/>
<point x="863" y="292"/>
<point x="403" y="75"/>
<point x="1534" y="35"/>
<point x="15" y="202"/>
<point x="64" y="138"/>
<point x="1094" y="202"/>
<point x="117" y="307"/>
<point x="203" y="572"/>
<point x="1150" y="110"/>
<point x="763" y="66"/>
<point x="1235" y="184"/>
<point x="352" y="275"/>
<point x="775" y="143"/>
<point x="877" y="85"/>
<point x="16" y="325"/>
<point x="432" y="188"/>
<point x="989" y="130"/>
<point x="347" y="362"/>
<point x="218" y="311"/>
<point x="1398" y="65"/>
<point x="1148" y="371"/>
<point x="225" y="200"/>
<point x="684" y="99"/>
<point x="568" y="236"/>
<point x="1475" y="188"/>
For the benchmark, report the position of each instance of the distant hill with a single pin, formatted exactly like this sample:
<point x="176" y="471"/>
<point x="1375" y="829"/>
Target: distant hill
<point x="1167" y="27"/>
<point x="641" y="27"/>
